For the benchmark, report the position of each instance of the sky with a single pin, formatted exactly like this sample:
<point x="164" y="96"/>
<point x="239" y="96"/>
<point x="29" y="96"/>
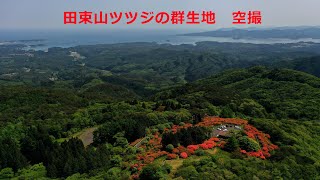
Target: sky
<point x="48" y="14"/>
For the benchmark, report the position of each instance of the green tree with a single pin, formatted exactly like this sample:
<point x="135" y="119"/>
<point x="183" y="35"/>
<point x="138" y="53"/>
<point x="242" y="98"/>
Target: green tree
<point x="11" y="155"/>
<point x="116" y="160"/>
<point x="188" y="172"/>
<point x="248" y="144"/>
<point x="6" y="173"/>
<point x="169" y="147"/>
<point x="36" y="171"/>
<point x="227" y="113"/>
<point x="232" y="144"/>
<point x="252" y="108"/>
<point x="120" y="140"/>
<point x="153" y="172"/>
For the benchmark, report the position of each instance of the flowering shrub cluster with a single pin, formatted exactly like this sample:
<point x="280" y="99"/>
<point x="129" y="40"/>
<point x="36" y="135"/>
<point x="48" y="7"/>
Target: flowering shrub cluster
<point x="264" y="140"/>
<point x="184" y="155"/>
<point x="172" y="156"/>
<point x="190" y="150"/>
<point x="175" y="128"/>
<point x="152" y="148"/>
<point x="152" y="151"/>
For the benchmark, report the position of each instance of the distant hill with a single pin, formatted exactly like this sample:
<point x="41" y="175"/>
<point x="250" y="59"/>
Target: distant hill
<point x="141" y="68"/>
<point x="287" y="33"/>
<point x="309" y="65"/>
<point x="282" y="93"/>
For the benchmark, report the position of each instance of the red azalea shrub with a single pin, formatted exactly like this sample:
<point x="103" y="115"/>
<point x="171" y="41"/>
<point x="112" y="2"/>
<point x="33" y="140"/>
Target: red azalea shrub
<point x="204" y="146"/>
<point x="193" y="147"/>
<point x="172" y="156"/>
<point x="181" y="148"/>
<point x="210" y="146"/>
<point x="257" y="154"/>
<point x="175" y="150"/>
<point x="175" y="128"/>
<point x="148" y="159"/>
<point x="264" y="140"/>
<point x="135" y="169"/>
<point x="184" y="155"/>
<point x="243" y="151"/>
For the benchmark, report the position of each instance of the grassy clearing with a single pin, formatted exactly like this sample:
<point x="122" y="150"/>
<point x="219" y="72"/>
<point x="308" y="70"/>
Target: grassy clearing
<point x="176" y="163"/>
<point x="85" y="135"/>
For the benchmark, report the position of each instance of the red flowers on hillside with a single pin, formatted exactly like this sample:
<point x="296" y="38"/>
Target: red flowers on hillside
<point x="193" y="147"/>
<point x="263" y="139"/>
<point x="152" y="149"/>
<point x="175" y="150"/>
<point x="175" y="128"/>
<point x="172" y="156"/>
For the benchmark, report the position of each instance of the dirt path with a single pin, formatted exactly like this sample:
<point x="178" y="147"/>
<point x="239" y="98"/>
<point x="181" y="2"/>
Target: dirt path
<point x="86" y="136"/>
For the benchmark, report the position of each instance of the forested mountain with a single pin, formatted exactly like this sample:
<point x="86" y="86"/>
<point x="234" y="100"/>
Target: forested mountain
<point x="39" y="126"/>
<point x="143" y="68"/>
<point x="152" y="111"/>
<point x="310" y="65"/>
<point x="285" y="33"/>
<point x="282" y="92"/>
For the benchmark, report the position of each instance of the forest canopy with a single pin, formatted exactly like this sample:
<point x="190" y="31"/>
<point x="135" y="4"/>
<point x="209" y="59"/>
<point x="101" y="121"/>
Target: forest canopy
<point x="100" y="116"/>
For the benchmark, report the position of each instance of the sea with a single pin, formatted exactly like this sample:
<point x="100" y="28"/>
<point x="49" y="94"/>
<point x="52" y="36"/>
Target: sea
<point x="45" y="39"/>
